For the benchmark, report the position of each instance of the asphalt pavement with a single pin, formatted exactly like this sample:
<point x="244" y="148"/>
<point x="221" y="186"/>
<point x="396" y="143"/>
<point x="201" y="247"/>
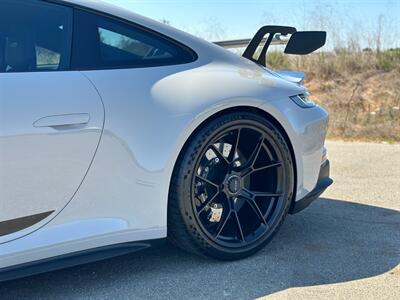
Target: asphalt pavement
<point x="345" y="245"/>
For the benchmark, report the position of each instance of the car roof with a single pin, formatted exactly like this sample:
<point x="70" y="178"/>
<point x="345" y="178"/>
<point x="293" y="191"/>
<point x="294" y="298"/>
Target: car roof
<point x="110" y="9"/>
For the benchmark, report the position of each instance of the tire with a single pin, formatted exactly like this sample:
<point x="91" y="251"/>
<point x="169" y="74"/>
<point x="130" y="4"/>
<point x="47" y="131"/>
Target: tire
<point x="232" y="173"/>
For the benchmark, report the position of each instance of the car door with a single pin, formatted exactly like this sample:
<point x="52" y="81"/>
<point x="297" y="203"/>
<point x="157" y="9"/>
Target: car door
<point x="51" y="118"/>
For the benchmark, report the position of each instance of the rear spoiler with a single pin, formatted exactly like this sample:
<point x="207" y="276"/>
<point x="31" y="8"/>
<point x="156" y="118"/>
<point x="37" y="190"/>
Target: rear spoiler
<point x="243" y="43"/>
<point x="299" y="43"/>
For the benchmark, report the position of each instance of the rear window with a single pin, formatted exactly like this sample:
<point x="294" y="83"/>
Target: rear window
<point x="106" y="43"/>
<point x="131" y="48"/>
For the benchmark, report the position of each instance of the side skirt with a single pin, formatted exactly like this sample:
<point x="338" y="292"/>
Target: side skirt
<point x="73" y="259"/>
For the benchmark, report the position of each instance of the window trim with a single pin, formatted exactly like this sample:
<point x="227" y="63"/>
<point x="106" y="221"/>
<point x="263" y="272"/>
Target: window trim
<point x="111" y="17"/>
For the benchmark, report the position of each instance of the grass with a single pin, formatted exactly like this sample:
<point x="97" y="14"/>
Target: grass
<point x="389" y="60"/>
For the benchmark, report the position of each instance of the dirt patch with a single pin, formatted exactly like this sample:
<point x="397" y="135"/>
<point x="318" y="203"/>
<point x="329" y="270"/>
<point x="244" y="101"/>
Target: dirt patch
<point x="395" y="272"/>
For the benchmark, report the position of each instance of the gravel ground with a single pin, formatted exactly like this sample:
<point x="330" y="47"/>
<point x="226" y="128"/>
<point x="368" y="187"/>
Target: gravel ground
<point x="345" y="245"/>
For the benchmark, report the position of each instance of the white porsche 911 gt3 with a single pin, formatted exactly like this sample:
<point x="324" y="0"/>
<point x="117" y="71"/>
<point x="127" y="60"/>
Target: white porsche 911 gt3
<point x="117" y="131"/>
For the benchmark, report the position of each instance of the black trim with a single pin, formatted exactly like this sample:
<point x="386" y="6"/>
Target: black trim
<point x="73" y="259"/>
<point x="324" y="181"/>
<point x="259" y="37"/>
<point x="15" y="225"/>
<point x="305" y="42"/>
<point x="300" y="42"/>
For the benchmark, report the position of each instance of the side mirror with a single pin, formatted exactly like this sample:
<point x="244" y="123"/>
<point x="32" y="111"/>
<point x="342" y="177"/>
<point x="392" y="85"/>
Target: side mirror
<point x="305" y="42"/>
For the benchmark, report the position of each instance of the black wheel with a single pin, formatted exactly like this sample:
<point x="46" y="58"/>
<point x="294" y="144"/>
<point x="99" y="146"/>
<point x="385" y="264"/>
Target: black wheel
<point x="231" y="188"/>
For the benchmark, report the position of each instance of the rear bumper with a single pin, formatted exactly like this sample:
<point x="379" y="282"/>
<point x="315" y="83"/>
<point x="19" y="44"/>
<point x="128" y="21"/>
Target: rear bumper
<point x="324" y="181"/>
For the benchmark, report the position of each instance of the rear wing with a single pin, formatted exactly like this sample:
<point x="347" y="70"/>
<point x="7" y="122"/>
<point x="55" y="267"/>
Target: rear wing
<point x="300" y="42"/>
<point x="243" y="43"/>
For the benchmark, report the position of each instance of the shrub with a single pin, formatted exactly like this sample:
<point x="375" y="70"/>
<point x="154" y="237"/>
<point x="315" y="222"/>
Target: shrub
<point x="278" y="60"/>
<point x="389" y="60"/>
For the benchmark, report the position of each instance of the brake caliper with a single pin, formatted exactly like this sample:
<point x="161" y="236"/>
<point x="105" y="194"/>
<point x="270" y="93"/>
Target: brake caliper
<point x="215" y="213"/>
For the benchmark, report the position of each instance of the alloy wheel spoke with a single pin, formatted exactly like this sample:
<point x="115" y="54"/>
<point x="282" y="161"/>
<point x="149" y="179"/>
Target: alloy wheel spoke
<point x="234" y="148"/>
<point x="253" y="158"/>
<point x="222" y="225"/>
<point x="246" y="193"/>
<point x="277" y="164"/>
<point x="256" y="151"/>
<point x="253" y="204"/>
<point x="252" y="170"/>
<point x="264" y="194"/>
<point x="208" y="181"/>
<point x="239" y="226"/>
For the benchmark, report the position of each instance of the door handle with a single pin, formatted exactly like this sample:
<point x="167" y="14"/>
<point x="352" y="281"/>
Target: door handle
<point x="59" y="121"/>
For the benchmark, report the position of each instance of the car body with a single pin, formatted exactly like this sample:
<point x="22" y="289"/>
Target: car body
<point x="88" y="146"/>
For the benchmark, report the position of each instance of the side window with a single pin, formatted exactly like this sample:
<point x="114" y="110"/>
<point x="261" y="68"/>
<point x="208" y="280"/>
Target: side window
<point x="104" y="43"/>
<point x="34" y="36"/>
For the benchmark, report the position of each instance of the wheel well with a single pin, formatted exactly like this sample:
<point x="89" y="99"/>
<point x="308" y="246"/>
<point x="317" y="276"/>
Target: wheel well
<point x="256" y="111"/>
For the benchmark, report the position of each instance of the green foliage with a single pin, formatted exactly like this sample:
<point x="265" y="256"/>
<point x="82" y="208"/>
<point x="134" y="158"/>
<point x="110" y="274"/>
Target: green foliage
<point x="389" y="60"/>
<point x="338" y="63"/>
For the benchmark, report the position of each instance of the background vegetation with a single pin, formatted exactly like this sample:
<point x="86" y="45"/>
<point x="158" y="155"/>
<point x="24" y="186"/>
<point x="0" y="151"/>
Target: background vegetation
<point x="360" y="89"/>
<point x="356" y="76"/>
